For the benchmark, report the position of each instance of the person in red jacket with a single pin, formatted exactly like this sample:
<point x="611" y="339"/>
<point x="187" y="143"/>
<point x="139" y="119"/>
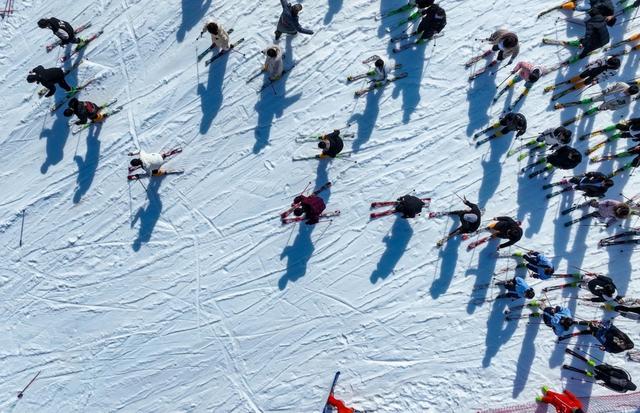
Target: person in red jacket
<point x="340" y="406"/>
<point x="565" y="402"/>
<point x="312" y="206"/>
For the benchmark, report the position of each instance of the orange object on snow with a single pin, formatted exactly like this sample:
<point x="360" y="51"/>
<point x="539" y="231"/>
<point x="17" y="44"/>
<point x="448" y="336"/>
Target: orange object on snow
<point x="565" y="402"/>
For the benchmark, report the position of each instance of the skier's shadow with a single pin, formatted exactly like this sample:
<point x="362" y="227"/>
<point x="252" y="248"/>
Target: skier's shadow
<point x="87" y="167"/>
<point x="396" y="242"/>
<point x="526" y="357"/>
<point x="334" y="8"/>
<point x="150" y="215"/>
<point x="527" y="190"/>
<point x="272" y="103"/>
<point x="192" y="13"/>
<point x="448" y="267"/>
<point x="367" y="119"/>
<point x="302" y="249"/>
<point x="211" y="97"/>
<point x="58" y="134"/>
<point x="480" y="96"/>
<point x="484" y="274"/>
<point x="499" y="331"/>
<point x="492" y="168"/>
<point x="412" y="61"/>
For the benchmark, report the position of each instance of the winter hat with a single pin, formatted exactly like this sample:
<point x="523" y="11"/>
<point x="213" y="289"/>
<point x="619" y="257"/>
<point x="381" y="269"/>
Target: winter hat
<point x="534" y="76"/>
<point x="613" y="63"/>
<point x="272" y="52"/>
<point x="43" y="23"/>
<point x="622" y="211"/>
<point x="530" y="293"/>
<point x="298" y="212"/>
<point x="379" y="63"/>
<point x="322" y="144"/>
<point x="136" y="162"/>
<point x="212" y="28"/>
<point x="73" y="102"/>
<point x="31" y="78"/>
<point x="510" y="40"/>
<point x="423" y="4"/>
<point x="68" y="112"/>
<point x="563" y="134"/>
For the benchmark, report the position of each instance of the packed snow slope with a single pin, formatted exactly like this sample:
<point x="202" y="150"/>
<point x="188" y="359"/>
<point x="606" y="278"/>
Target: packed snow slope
<point x="188" y="295"/>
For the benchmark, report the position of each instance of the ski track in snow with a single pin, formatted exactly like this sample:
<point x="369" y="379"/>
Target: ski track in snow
<point x="188" y="295"/>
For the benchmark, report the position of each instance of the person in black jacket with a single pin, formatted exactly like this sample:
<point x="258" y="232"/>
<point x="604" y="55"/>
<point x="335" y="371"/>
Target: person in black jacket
<point x="60" y="28"/>
<point x="565" y="157"/>
<point x="596" y="32"/>
<point x="434" y="19"/>
<point x="289" y="21"/>
<point x="469" y="219"/>
<point x="513" y="122"/>
<point x="593" y="184"/>
<point x="630" y="128"/>
<point x="331" y="144"/>
<point x="505" y="228"/>
<point x="409" y="206"/>
<point x="85" y="111"/>
<point x="49" y="78"/>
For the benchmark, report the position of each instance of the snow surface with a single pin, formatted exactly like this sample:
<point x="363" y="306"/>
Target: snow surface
<point x="191" y="297"/>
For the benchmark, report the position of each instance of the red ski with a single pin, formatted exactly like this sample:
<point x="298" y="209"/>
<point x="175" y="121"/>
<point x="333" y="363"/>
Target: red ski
<point x="302" y="218"/>
<point x="288" y="212"/>
<point x="478" y="242"/>
<point x="378" y="204"/>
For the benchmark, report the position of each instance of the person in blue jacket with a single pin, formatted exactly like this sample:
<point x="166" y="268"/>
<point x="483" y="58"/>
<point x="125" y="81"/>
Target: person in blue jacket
<point x="540" y="265"/>
<point x="516" y="288"/>
<point x="558" y="318"/>
<point x="288" y="22"/>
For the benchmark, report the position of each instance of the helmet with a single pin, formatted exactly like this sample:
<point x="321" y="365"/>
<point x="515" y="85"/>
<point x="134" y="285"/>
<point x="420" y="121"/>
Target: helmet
<point x="73" y="102"/>
<point x="297" y="8"/>
<point x="68" y="112"/>
<point x="534" y="76"/>
<point x="298" y="212"/>
<point x="31" y="78"/>
<point x="212" y="28"/>
<point x="135" y="162"/>
<point x="322" y="144"/>
<point x="566" y="322"/>
<point x="43" y="23"/>
<point x="379" y="63"/>
<point x="633" y="89"/>
<point x="510" y="40"/>
<point x="613" y="62"/>
<point x="272" y="52"/>
<point x="530" y="293"/>
<point x="622" y="211"/>
<point x="563" y="134"/>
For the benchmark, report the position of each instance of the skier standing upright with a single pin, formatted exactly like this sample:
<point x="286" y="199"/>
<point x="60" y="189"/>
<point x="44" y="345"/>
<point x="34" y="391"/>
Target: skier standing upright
<point x="516" y="288"/>
<point x="469" y="219"/>
<point x="539" y="264"/>
<point x="219" y="36"/>
<point x="434" y="19"/>
<point x="331" y="144"/>
<point x="596" y="32"/>
<point x="506" y="44"/>
<point x="310" y="206"/>
<point x="289" y="20"/>
<point x="273" y="64"/>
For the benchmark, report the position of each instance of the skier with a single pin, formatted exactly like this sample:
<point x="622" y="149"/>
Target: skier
<point x="340" y="406"/>
<point x="151" y="162"/>
<point x="610" y="337"/>
<point x="595" y="72"/>
<point x="311" y="206"/>
<point x="540" y="265"/>
<point x="616" y="96"/>
<point x="219" y="37"/>
<point x="609" y="210"/>
<point x="565" y="157"/>
<point x="604" y="7"/>
<point x="630" y="128"/>
<point x="331" y="144"/>
<point x="596" y="32"/>
<point x="62" y="29"/>
<point x="273" y="63"/>
<point x="505" y="228"/>
<point x="434" y="19"/>
<point x="288" y="22"/>
<point x="509" y="123"/>
<point x="85" y="111"/>
<point x="604" y="374"/>
<point x="565" y="402"/>
<point x="409" y="206"/>
<point x="506" y="44"/>
<point x="516" y="288"/>
<point x="469" y="219"/>
<point x="49" y="78"/>
<point x="603" y="288"/>
<point x="555" y="137"/>
<point x="593" y="184"/>
<point x="558" y="318"/>
<point x="379" y="73"/>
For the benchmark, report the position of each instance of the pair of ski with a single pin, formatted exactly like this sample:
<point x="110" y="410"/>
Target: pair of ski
<point x="341" y="155"/>
<point x="547" y="168"/>
<point x="531" y="145"/>
<point x="401" y="23"/>
<point x="575" y="207"/>
<point x="612" y="157"/>
<point x="582" y="218"/>
<point x="106" y="115"/>
<point x="480" y="72"/>
<point x="380" y="84"/>
<point x="600" y="144"/>
<point x="616" y="239"/>
<point x="379" y="204"/>
<point x="393" y="12"/>
<point x="367" y="74"/>
<point x="135" y="177"/>
<point x="223" y="52"/>
<point x="270" y="82"/>
<point x="590" y="112"/>
<point x="58" y="42"/>
<point x="411" y="44"/>
<point x="284" y="216"/>
<point x="210" y="48"/>
<point x="608" y="129"/>
<point x="81" y="46"/>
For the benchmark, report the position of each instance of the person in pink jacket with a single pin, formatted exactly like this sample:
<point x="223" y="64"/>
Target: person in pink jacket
<point x="609" y="210"/>
<point x="526" y="71"/>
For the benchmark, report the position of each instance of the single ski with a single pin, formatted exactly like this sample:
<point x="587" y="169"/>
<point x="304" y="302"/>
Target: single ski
<point x="580" y="116"/>
<point x="586" y="136"/>
<point x="622" y="242"/>
<point x="302" y="218"/>
<point x="58" y="42"/>
<point x="210" y="48"/>
<point x="573" y="208"/>
<point x="524" y="94"/>
<point x="476" y="59"/>
<point x="542" y="13"/>
<point x="599" y="145"/>
<point x="223" y="52"/>
<point x="135" y="177"/>
<point x="582" y="218"/>
<point x="562" y="191"/>
<point x="567" y="43"/>
<point x="381" y="84"/>
<point x="409" y="45"/>
<point x="559" y="183"/>
<point x="393" y="12"/>
<point x="476" y="243"/>
<point x="560" y="287"/>
<point x="413" y="16"/>
<point x="81" y="46"/>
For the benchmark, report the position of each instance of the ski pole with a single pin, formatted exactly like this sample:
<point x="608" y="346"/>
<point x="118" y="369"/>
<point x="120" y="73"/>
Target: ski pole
<point x="145" y="188"/>
<point x="29" y="384"/>
<point x="22" y="226"/>
<point x="507" y="78"/>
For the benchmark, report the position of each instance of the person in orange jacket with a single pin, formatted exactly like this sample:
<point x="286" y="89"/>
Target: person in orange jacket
<point x="565" y="402"/>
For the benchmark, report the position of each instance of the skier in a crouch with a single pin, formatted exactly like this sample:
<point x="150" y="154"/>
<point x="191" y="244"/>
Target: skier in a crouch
<point x="508" y="123"/>
<point x="602" y="288"/>
<point x="596" y="32"/>
<point x="289" y="20"/>
<point x="565" y="402"/>
<point x="610" y="337"/>
<point x="409" y="206"/>
<point x="541" y="266"/>
<point x="379" y="73"/>
<point x="85" y="111"/>
<point x="469" y="219"/>
<point x="62" y="29"/>
<point x="434" y="20"/>
<point x="558" y="318"/>
<point x="593" y="184"/>
<point x="219" y="36"/>
<point x="151" y="162"/>
<point x="505" y="228"/>
<point x="555" y="137"/>
<point x="331" y="144"/>
<point x="516" y="288"/>
<point x="49" y="78"/>
<point x="273" y="63"/>
<point x="310" y="206"/>
<point x="526" y="71"/>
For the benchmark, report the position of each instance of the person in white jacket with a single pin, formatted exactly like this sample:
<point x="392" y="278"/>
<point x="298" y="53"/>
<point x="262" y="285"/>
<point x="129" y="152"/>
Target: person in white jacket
<point x="273" y="64"/>
<point x="151" y="162"/>
<point x="219" y="37"/>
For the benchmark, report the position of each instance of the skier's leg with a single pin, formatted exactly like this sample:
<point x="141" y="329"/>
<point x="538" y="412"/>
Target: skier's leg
<point x="278" y="34"/>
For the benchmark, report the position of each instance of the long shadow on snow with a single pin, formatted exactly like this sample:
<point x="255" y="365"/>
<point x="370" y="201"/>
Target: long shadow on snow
<point x="334" y="8"/>
<point x="272" y="103"/>
<point x="192" y="13"/>
<point x="87" y="167"/>
<point x="58" y="134"/>
<point x="367" y="119"/>
<point x="480" y="96"/>
<point x="392" y="21"/>
<point x="211" y="97"/>
<point x="448" y="266"/>
<point x="412" y="61"/>
<point x="396" y="242"/>
<point x="499" y="331"/>
<point x="492" y="168"/>
<point x="300" y="252"/>
<point x="150" y="215"/>
<point x="526" y="357"/>
<point x="529" y="189"/>
<point x="484" y="275"/>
